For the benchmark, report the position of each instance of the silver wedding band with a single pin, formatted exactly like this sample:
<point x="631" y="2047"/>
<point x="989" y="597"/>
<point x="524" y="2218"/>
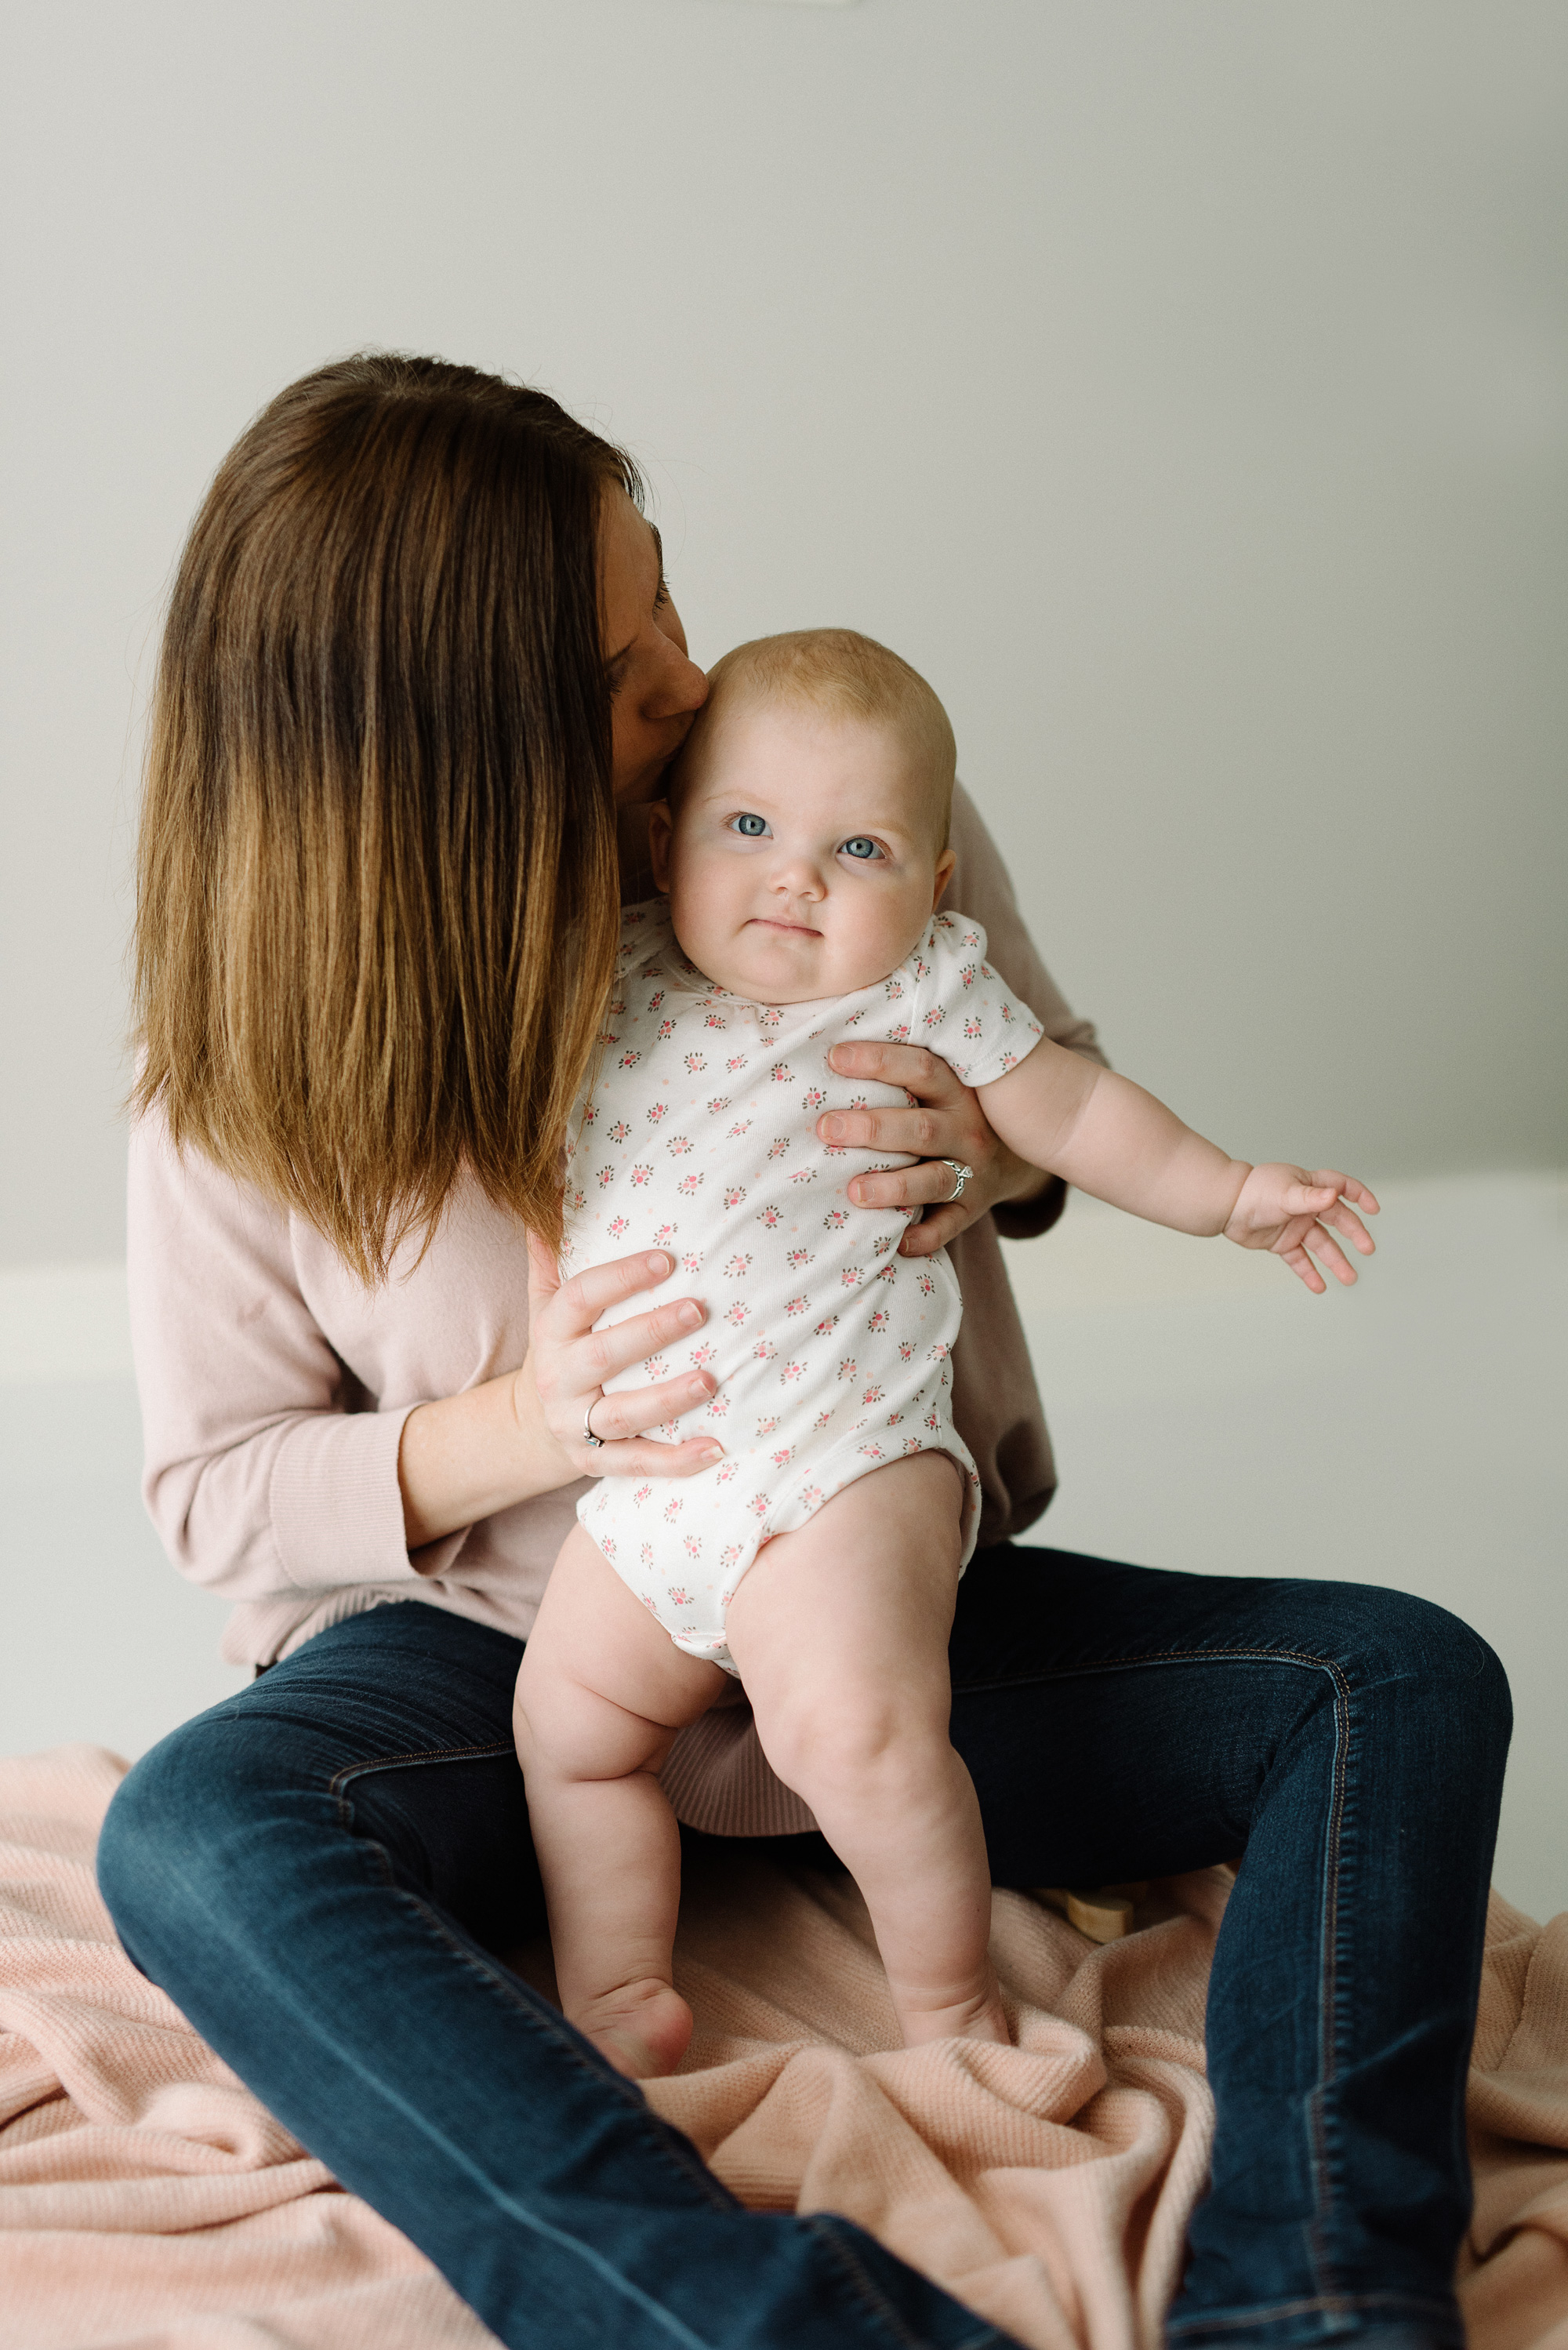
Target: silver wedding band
<point x="588" y="1436"/>
<point x="962" y="1173"/>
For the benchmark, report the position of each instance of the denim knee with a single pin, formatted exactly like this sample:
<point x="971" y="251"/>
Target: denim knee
<point x="160" y="1849"/>
<point x="1442" y="1652"/>
<point x="1385" y="1638"/>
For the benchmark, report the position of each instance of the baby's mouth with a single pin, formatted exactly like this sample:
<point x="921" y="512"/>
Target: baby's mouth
<point x="774" y="922"/>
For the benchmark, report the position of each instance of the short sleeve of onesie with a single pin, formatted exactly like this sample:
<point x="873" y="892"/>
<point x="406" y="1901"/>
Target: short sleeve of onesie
<point x="959" y="1008"/>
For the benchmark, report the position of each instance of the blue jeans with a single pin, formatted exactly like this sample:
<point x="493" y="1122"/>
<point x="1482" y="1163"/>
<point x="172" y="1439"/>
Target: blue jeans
<point x="319" y="1870"/>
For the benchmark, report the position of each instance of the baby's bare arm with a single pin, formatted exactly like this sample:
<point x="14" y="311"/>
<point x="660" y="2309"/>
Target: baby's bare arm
<point x="1108" y="1137"/>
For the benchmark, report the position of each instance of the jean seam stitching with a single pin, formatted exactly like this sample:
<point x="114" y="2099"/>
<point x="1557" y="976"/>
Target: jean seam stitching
<point x="869" y="2293"/>
<point x="498" y="1981"/>
<point x="406" y="1760"/>
<point x="629" y="2094"/>
<point x="1329" y="2018"/>
<point x="1155" y="1656"/>
<point x="1324" y="2200"/>
<point x="1261" y="2312"/>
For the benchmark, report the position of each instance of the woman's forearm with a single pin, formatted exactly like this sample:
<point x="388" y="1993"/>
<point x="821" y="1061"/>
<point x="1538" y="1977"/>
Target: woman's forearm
<point x="470" y="1455"/>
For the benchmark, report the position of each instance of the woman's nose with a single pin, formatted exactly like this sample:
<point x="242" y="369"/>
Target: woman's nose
<point x="679" y="687"/>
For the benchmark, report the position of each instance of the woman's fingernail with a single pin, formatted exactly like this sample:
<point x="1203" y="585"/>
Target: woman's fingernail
<point x="659" y="1263"/>
<point x="833" y="1126"/>
<point x="690" y="1315"/>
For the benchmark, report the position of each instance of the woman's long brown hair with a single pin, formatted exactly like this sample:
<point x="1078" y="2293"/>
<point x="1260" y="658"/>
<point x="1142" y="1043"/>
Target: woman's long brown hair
<point x="377" y="904"/>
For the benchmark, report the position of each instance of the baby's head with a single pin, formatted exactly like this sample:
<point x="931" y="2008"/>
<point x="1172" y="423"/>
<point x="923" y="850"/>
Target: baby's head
<point x="804" y="842"/>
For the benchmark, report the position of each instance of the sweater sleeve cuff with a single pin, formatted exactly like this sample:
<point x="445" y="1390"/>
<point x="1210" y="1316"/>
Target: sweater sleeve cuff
<point x="1026" y="1219"/>
<point x="337" y="1505"/>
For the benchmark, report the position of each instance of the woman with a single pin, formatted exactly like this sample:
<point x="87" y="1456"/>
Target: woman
<point x="419" y="657"/>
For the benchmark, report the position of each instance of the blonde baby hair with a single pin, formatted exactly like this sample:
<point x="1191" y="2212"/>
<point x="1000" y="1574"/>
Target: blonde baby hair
<point x="846" y="675"/>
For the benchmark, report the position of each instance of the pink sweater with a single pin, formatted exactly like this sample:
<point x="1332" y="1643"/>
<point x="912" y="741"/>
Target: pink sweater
<point x="274" y="1387"/>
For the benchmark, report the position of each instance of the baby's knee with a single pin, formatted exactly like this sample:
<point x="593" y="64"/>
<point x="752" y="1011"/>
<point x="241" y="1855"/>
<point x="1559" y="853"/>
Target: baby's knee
<point x="854" y="1736"/>
<point x="542" y="1711"/>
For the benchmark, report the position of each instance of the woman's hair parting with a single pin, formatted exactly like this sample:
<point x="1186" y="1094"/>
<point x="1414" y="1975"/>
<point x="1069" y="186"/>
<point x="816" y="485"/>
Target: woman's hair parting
<point x="376" y="902"/>
<point x="846" y="675"/>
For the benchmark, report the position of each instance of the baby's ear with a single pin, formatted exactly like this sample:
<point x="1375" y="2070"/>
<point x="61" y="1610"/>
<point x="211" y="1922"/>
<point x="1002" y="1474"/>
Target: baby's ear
<point x="660" y="828"/>
<point x="945" y="864"/>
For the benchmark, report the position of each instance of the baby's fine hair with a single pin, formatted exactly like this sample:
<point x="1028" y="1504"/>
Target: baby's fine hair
<point x="846" y="675"/>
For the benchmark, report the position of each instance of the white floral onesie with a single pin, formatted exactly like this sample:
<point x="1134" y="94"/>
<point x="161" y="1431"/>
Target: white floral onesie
<point x="832" y="1351"/>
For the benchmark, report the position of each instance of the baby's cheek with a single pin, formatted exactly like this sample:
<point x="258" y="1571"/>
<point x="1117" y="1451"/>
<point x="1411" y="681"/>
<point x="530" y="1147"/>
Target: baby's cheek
<point x="876" y="937"/>
<point x="703" y="904"/>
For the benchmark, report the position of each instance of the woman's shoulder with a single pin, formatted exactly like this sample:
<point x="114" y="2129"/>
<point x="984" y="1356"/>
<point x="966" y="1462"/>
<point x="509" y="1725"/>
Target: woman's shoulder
<point x="177" y="1183"/>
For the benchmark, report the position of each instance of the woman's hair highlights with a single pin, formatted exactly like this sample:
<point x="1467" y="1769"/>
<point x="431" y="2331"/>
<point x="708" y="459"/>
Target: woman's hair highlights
<point x="376" y="904"/>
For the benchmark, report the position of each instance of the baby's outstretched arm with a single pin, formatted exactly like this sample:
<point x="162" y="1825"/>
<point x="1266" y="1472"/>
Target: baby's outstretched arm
<point x="1110" y="1137"/>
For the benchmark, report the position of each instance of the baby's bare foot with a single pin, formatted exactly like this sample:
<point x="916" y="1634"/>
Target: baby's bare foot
<point x="642" y="2027"/>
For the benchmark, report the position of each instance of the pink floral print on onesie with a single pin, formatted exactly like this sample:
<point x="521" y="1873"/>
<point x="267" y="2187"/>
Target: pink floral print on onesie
<point x="696" y="1134"/>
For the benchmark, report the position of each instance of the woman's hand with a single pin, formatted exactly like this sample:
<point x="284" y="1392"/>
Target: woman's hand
<point x="944" y="1121"/>
<point x="468" y="1456"/>
<point x="568" y="1362"/>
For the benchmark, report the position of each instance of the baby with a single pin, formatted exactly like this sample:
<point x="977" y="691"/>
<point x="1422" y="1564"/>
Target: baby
<point x="803" y="855"/>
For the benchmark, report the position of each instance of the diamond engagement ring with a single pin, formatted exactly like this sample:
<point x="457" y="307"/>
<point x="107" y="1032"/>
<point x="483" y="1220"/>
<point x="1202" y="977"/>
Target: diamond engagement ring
<point x="961" y="1174"/>
<point x="588" y="1436"/>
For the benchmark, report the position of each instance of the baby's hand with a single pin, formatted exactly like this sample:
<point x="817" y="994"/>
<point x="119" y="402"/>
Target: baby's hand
<point x="1286" y="1210"/>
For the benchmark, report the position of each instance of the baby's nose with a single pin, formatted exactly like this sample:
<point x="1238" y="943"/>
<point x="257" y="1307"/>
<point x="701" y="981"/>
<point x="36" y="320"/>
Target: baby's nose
<point x="799" y="878"/>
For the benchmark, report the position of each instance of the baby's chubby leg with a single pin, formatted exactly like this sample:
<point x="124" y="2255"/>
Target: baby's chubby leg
<point x="601" y="1692"/>
<point x="840" y="1633"/>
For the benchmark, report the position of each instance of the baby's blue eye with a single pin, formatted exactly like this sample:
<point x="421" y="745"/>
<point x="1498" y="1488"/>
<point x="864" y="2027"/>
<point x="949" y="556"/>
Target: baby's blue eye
<point x="752" y="827"/>
<point x="860" y="846"/>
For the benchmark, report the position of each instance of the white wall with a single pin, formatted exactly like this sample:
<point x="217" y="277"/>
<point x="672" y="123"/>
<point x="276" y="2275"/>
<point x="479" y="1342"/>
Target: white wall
<point x="1180" y="383"/>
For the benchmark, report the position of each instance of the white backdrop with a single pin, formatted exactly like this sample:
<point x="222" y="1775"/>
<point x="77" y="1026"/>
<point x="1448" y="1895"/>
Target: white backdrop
<point x="1180" y="383"/>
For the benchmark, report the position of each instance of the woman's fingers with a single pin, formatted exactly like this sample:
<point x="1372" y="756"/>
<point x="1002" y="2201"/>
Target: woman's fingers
<point x="918" y="1132"/>
<point x="632" y="1412"/>
<point x="937" y="1226"/>
<point x="601" y="1353"/>
<point x="571" y="1363"/>
<point x="924" y="1185"/>
<point x="910" y="1066"/>
<point x="943" y="1120"/>
<point x="587" y="1295"/>
<point x="643" y="1457"/>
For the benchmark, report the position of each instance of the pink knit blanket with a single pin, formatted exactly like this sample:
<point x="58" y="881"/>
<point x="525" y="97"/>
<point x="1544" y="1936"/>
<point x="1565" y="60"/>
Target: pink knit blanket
<point x="148" y="2202"/>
